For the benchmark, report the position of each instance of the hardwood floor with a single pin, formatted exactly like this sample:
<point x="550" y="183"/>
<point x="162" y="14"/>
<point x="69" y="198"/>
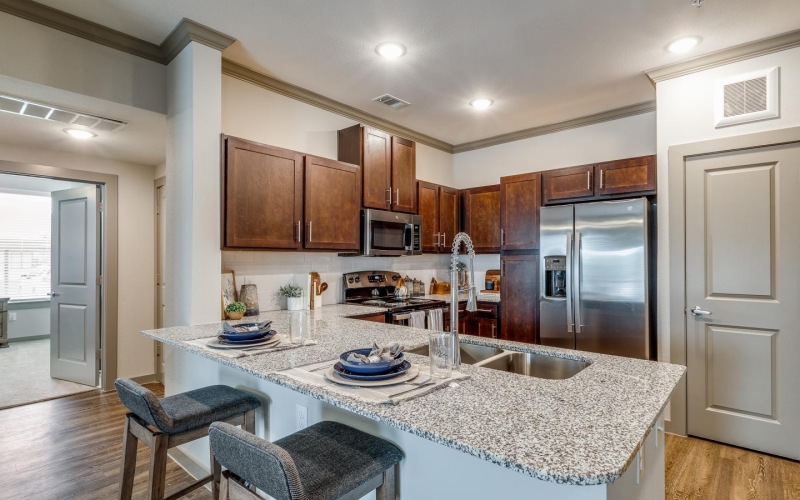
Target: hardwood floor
<point x="700" y="469"/>
<point x="72" y="448"/>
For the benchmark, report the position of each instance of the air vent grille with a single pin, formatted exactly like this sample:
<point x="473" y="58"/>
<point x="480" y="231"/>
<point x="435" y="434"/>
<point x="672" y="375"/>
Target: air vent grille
<point x="25" y="107"/>
<point x="392" y="101"/>
<point x="749" y="96"/>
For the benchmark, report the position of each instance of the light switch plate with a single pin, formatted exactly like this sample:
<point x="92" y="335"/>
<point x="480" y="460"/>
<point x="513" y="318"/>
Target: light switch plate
<point x="12" y="316"/>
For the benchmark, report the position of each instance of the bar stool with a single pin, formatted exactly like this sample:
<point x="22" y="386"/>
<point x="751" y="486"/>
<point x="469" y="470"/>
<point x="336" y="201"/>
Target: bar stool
<point x="326" y="461"/>
<point x="173" y="421"/>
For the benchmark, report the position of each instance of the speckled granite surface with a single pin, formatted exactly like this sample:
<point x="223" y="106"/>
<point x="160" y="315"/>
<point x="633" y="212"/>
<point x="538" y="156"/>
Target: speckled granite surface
<point x="583" y="430"/>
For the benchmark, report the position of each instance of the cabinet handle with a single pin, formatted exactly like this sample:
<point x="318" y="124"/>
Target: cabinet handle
<point x="444" y="239"/>
<point x="494" y="330"/>
<point x="309" y="230"/>
<point x="602" y="178"/>
<point x="502" y="237"/>
<point x="397" y="196"/>
<point x="299" y="229"/>
<point x="390" y="196"/>
<point x="589" y="180"/>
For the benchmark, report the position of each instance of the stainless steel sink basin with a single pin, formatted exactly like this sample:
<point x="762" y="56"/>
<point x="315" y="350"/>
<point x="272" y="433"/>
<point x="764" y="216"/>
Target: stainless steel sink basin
<point x="536" y="365"/>
<point x="470" y="353"/>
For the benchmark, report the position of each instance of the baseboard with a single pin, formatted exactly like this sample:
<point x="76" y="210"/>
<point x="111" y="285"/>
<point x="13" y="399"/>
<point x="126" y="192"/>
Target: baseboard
<point x="145" y="379"/>
<point x="188" y="464"/>
<point x="26" y="339"/>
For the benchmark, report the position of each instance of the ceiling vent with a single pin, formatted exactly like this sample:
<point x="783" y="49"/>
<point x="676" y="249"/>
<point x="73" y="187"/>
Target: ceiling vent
<point x="392" y="101"/>
<point x="747" y="98"/>
<point x="25" y="107"/>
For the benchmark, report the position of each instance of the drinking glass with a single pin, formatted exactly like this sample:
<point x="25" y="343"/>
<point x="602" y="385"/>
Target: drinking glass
<point x="441" y="354"/>
<point x="298" y="327"/>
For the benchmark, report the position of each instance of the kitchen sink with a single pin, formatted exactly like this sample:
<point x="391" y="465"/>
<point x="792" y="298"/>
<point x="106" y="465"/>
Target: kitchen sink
<point x="470" y="353"/>
<point x="536" y="365"/>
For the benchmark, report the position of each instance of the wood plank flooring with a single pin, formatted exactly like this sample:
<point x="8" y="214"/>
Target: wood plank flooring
<point x="700" y="469"/>
<point x="72" y="448"/>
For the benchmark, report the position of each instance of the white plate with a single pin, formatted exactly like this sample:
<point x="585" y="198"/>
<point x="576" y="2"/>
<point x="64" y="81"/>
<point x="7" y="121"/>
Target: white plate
<point x="412" y="373"/>
<point x="214" y="344"/>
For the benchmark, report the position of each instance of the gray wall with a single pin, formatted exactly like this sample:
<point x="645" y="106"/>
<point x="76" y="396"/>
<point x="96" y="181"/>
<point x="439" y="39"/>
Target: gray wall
<point x="33" y="320"/>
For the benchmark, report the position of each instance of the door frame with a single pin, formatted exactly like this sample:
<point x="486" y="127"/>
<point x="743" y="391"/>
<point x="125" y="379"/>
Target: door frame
<point x="677" y="156"/>
<point x="109" y="295"/>
<point x="158" y="348"/>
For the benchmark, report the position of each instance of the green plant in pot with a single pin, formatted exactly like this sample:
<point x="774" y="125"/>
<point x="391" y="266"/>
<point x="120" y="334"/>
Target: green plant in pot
<point x="235" y="310"/>
<point x="294" y="296"/>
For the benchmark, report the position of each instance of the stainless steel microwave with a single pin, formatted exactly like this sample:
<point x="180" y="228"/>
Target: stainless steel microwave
<point x="386" y="233"/>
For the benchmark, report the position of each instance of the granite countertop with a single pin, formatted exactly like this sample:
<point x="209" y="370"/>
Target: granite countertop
<point x="584" y="430"/>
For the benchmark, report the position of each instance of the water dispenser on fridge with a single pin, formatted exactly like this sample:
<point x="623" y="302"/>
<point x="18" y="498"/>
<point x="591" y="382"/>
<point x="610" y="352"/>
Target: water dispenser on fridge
<point x="555" y="276"/>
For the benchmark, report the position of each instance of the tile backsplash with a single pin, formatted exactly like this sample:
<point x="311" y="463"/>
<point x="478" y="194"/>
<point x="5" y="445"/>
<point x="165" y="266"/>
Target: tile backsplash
<point x="270" y="270"/>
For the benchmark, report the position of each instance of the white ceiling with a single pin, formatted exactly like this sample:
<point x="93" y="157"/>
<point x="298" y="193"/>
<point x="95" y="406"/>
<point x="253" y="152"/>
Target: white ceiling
<point x="32" y="184"/>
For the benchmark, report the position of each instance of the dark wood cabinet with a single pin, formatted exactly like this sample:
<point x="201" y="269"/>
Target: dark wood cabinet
<point x="520" y="199"/>
<point x="568" y="183"/>
<point x="519" y="297"/>
<point x="375" y="318"/>
<point x="462" y="318"/>
<point x="332" y="204"/>
<point x="438" y="207"/>
<point x="262" y="196"/>
<point x="607" y="180"/>
<point x="388" y="167"/>
<point x="626" y="176"/>
<point x="481" y="209"/>
<point x="485" y="321"/>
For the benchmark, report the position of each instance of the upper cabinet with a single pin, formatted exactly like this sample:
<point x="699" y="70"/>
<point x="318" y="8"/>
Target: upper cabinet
<point x="520" y="199"/>
<point x="279" y="199"/>
<point x="388" y="167"/>
<point x="481" y="209"/>
<point x="263" y="196"/>
<point x="605" y="180"/>
<point x="438" y="207"/>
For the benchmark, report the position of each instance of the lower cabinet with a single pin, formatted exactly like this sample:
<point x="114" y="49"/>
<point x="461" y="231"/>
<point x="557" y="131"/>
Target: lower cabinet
<point x="519" y="297"/>
<point x="484" y="322"/>
<point x="462" y="318"/>
<point x="376" y="318"/>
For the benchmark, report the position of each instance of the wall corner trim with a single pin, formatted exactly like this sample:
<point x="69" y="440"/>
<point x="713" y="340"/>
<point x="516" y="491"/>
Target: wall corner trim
<point x="190" y="31"/>
<point x="733" y="54"/>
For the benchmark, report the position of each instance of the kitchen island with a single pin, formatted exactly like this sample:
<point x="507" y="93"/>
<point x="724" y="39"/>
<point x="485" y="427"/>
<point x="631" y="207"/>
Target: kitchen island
<point x="494" y="435"/>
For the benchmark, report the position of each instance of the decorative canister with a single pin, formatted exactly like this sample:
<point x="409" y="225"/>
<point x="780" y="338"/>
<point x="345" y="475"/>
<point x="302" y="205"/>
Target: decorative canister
<point x="249" y="295"/>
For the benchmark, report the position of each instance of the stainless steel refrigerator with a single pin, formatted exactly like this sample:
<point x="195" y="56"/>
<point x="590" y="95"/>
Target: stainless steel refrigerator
<point x="594" y="267"/>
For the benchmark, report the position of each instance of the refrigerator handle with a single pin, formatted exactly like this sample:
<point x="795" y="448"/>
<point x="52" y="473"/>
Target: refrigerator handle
<point x="577" y="282"/>
<point x="568" y="284"/>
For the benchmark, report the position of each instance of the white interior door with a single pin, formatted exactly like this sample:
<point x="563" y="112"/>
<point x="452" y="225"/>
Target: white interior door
<point x="74" y="312"/>
<point x="743" y="292"/>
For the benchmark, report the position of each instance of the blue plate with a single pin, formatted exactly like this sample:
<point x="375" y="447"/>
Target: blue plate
<point x="244" y="335"/>
<point x="395" y="372"/>
<point x="368" y="368"/>
<point x="261" y="337"/>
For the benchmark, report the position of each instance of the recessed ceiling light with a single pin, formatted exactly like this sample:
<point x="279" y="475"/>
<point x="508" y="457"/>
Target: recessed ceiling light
<point x="481" y="103"/>
<point x="682" y="45"/>
<point x="80" y="133"/>
<point x="390" y="50"/>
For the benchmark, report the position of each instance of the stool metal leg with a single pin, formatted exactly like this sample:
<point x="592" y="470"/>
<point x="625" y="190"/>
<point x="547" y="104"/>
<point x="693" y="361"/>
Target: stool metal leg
<point x="388" y="489"/>
<point x="129" y="446"/>
<point x="216" y="476"/>
<point x="158" y="466"/>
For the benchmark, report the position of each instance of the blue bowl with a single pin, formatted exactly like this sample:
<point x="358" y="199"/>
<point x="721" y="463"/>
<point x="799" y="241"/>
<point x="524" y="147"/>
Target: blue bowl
<point x="368" y="368"/>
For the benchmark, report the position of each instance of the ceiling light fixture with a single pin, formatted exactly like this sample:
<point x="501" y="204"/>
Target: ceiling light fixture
<point x="79" y="133"/>
<point x="481" y="104"/>
<point x="390" y="50"/>
<point x="682" y="45"/>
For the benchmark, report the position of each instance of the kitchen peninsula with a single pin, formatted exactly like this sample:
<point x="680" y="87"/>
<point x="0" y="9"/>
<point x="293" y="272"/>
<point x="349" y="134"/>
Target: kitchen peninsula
<point x="493" y="435"/>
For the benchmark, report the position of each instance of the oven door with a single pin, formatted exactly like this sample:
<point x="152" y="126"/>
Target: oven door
<point x="389" y="234"/>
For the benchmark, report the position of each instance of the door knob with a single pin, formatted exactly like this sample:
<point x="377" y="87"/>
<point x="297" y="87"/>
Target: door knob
<point x="699" y="312"/>
<point x="53" y="294"/>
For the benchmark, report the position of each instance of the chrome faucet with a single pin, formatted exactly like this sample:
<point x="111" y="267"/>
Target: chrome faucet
<point x="471" y="290"/>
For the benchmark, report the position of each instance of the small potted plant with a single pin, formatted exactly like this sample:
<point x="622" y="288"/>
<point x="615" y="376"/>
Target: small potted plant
<point x="294" y="296"/>
<point x="235" y="310"/>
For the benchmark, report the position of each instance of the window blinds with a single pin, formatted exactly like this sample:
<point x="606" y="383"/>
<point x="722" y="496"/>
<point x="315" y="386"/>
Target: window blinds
<point x="24" y="246"/>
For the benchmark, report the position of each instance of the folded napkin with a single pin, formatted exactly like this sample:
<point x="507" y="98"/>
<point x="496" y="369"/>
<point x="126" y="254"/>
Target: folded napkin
<point x="377" y="354"/>
<point x="283" y="345"/>
<point x="227" y="328"/>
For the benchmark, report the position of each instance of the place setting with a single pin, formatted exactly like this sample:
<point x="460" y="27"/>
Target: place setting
<point x="380" y="374"/>
<point x="248" y="339"/>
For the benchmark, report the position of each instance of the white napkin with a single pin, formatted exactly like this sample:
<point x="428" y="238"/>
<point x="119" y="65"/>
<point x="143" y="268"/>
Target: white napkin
<point x="283" y="345"/>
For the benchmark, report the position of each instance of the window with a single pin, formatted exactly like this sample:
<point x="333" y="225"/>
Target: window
<point x="24" y="246"/>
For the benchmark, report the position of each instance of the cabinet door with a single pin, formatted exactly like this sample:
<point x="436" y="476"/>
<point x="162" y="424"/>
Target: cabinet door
<point x="486" y="327"/>
<point x="448" y="216"/>
<point x="520" y="199"/>
<point x="377" y="168"/>
<point x="482" y="218"/>
<point x="263" y="196"/>
<point x="428" y="199"/>
<point x="633" y="175"/>
<point x="568" y="183"/>
<point x="519" y="297"/>
<point x="404" y="175"/>
<point x="332" y="205"/>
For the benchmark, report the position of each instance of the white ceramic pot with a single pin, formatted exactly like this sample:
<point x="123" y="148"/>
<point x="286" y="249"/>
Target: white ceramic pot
<point x="294" y="303"/>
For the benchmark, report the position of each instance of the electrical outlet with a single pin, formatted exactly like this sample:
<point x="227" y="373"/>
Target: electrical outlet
<point x="301" y="414"/>
<point x="12" y="316"/>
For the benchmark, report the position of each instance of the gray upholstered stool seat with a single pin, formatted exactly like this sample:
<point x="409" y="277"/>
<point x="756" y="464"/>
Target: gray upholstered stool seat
<point x="165" y="423"/>
<point x="326" y="461"/>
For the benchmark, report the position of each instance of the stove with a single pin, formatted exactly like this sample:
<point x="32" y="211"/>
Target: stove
<point x="394" y="304"/>
<point x="376" y="288"/>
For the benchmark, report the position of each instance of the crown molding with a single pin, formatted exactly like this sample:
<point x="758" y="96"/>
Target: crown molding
<point x="726" y="56"/>
<point x="189" y="31"/>
<point x="613" y="114"/>
<point x="248" y="75"/>
<point x="59" y="20"/>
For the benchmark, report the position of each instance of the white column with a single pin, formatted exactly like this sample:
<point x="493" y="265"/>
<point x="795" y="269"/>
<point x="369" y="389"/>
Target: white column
<point x="194" y="124"/>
